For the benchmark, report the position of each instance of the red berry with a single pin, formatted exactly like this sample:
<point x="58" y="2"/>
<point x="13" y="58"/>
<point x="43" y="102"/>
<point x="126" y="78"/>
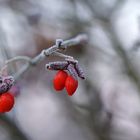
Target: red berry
<point x="71" y="85"/>
<point x="6" y="102"/>
<point x="59" y="80"/>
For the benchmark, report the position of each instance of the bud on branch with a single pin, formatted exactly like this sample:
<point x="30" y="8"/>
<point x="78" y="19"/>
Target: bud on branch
<point x="6" y="83"/>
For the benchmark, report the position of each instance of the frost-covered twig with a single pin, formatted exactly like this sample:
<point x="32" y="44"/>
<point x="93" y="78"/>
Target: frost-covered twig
<point x="53" y="50"/>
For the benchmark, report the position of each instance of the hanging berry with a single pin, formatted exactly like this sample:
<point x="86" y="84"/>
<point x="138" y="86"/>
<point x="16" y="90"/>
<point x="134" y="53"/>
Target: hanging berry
<point x="62" y="79"/>
<point x="6" y="102"/>
<point x="71" y="85"/>
<point x="59" y="80"/>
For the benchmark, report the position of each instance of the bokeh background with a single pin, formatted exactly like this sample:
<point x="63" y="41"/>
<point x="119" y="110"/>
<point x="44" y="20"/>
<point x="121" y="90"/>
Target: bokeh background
<point x="106" y="106"/>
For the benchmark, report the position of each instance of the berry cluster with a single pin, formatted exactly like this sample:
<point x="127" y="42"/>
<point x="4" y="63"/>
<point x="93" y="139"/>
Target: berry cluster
<point x="64" y="80"/>
<point x="6" y="97"/>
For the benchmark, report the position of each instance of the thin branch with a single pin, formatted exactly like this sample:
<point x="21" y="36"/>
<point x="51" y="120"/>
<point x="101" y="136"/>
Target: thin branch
<point x="62" y="55"/>
<point x="18" y="58"/>
<point x="53" y="50"/>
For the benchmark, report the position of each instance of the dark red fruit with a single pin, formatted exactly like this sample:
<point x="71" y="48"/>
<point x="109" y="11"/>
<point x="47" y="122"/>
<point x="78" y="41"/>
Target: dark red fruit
<point x="6" y="102"/>
<point x="59" y="80"/>
<point x="71" y="85"/>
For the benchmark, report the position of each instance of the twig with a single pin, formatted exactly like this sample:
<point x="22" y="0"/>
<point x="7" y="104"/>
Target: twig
<point x="53" y="50"/>
<point x="62" y="55"/>
<point x="18" y="58"/>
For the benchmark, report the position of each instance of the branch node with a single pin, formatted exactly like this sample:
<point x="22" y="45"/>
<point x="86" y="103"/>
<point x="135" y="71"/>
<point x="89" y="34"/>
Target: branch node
<point x="58" y="43"/>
